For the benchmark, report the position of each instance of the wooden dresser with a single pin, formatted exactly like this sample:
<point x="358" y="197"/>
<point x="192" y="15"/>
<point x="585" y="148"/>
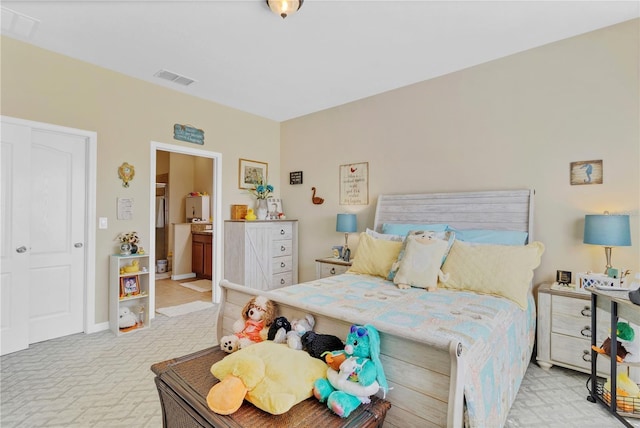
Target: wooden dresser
<point x="261" y="254"/>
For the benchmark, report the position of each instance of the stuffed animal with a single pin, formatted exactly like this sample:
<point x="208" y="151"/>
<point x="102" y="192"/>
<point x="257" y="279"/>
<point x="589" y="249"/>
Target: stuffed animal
<point x="317" y="345"/>
<point x="627" y="393"/>
<point x="628" y="347"/>
<point x="257" y="314"/>
<point x="298" y="328"/>
<point x="360" y="376"/>
<point x="126" y="318"/>
<point x="279" y="329"/>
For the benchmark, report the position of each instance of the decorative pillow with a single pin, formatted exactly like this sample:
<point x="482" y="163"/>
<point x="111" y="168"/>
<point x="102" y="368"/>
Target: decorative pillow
<point x="275" y="376"/>
<point x="374" y="256"/>
<point x="421" y="262"/>
<point x="383" y="236"/>
<point x="403" y="229"/>
<point x="500" y="237"/>
<point x="500" y="270"/>
<point x="448" y="236"/>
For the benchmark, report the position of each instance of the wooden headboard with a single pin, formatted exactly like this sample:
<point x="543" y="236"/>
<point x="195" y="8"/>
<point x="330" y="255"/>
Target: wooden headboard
<point x="494" y="210"/>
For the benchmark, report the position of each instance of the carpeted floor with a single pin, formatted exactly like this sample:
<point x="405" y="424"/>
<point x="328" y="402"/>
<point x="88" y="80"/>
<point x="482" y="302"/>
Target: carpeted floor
<point x="100" y="380"/>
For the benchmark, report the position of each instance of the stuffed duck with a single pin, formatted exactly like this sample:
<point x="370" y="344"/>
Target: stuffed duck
<point x="360" y="374"/>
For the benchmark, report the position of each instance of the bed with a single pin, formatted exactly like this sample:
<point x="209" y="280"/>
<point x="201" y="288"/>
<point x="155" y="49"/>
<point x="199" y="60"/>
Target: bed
<point x="452" y="357"/>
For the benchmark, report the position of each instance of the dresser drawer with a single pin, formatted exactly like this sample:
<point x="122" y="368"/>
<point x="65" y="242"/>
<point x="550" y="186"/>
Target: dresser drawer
<point x="282" y="280"/>
<point x="575" y="352"/>
<point x="327" y="269"/>
<point x="282" y="248"/>
<point x="572" y="317"/>
<point x="282" y="264"/>
<point x="283" y="231"/>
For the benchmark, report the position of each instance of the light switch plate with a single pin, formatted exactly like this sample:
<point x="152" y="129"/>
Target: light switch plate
<point x="102" y="223"/>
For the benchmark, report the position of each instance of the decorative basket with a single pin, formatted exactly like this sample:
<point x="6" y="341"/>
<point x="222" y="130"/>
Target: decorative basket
<point x="600" y="281"/>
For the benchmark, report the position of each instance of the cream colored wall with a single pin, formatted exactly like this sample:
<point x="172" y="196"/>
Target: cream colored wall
<point x="517" y="122"/>
<point x="127" y="115"/>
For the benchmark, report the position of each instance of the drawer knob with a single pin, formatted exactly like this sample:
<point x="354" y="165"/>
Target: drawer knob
<point x="586" y="312"/>
<point x="282" y="264"/>
<point x="586" y="331"/>
<point x="282" y="281"/>
<point x="282" y="248"/>
<point x="282" y="232"/>
<point x="333" y="271"/>
<point x="586" y="356"/>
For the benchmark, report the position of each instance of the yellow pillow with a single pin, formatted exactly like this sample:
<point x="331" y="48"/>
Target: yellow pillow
<point x="275" y="376"/>
<point x="374" y="256"/>
<point x="500" y="270"/>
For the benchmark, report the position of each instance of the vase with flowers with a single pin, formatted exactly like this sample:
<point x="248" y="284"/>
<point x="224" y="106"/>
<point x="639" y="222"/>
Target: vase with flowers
<point x="128" y="242"/>
<point x="261" y="191"/>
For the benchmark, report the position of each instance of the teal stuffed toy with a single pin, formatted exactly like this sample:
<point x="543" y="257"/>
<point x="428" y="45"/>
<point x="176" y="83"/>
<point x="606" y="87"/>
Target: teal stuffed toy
<point x="360" y="374"/>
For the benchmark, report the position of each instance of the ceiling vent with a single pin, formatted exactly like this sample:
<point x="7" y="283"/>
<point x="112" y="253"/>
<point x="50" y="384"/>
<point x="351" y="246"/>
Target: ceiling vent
<point x="174" y="77"/>
<point x="18" y="24"/>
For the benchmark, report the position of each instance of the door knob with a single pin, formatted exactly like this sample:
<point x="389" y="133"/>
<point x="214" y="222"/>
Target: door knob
<point x="78" y="245"/>
<point x="21" y="249"/>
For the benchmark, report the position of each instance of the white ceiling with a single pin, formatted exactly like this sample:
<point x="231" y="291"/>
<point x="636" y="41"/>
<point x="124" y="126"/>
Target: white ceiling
<point x="329" y="53"/>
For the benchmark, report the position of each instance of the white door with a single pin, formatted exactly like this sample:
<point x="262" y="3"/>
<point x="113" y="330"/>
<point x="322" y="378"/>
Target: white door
<point x="52" y="201"/>
<point x="14" y="241"/>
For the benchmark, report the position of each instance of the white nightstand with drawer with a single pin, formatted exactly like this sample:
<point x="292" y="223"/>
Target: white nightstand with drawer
<point x="331" y="266"/>
<point x="564" y="329"/>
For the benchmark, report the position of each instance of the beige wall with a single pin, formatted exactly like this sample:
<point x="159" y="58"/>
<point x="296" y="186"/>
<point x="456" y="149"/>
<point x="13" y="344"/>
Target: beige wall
<point x="517" y="122"/>
<point x="127" y="115"/>
<point x="512" y="123"/>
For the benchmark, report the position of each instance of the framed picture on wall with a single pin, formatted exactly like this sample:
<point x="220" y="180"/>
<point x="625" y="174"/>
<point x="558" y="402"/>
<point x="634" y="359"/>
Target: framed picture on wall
<point x="354" y="184"/>
<point x="586" y="172"/>
<point x="251" y="172"/>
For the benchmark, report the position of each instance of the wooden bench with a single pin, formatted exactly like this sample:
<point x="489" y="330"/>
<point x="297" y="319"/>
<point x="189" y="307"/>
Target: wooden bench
<point x="183" y="384"/>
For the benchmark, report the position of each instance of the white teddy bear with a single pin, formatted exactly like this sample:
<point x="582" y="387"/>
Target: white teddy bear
<point x="126" y="318"/>
<point x="298" y="329"/>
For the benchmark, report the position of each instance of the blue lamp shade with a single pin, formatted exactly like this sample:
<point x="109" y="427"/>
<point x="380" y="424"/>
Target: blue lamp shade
<point x="346" y="223"/>
<point x="607" y="230"/>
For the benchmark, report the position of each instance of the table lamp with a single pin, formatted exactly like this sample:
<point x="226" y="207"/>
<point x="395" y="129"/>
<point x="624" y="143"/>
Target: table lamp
<point x="608" y="231"/>
<point x="346" y="223"/>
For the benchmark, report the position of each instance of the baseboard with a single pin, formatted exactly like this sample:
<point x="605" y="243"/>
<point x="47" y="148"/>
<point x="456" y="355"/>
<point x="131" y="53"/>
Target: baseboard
<point x="183" y="276"/>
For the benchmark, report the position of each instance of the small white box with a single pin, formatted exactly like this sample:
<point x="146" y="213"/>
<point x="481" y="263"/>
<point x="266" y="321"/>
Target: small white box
<point x="601" y="281"/>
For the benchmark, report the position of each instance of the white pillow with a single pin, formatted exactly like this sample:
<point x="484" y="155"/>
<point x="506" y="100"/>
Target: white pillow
<point x="384" y="236"/>
<point x="421" y="262"/>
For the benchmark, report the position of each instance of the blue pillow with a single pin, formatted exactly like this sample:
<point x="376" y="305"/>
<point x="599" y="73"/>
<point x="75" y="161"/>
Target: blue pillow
<point x="498" y="237"/>
<point x="403" y="229"/>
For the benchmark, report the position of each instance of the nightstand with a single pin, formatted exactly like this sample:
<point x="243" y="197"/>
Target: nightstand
<point x="330" y="266"/>
<point x="564" y="329"/>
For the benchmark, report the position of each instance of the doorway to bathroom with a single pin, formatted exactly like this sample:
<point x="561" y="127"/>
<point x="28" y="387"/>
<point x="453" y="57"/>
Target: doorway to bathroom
<point x="177" y="172"/>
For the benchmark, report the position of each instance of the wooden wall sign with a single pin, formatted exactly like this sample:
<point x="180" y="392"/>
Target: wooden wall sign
<point x="188" y="133"/>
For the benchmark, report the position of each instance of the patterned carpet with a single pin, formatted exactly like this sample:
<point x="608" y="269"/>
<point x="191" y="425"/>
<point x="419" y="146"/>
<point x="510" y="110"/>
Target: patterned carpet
<point x="100" y="380"/>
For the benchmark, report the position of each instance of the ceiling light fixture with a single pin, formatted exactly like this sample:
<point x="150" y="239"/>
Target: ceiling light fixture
<point x="284" y="8"/>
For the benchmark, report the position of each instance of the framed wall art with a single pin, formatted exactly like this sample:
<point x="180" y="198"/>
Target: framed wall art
<point x="586" y="172"/>
<point x="354" y="184"/>
<point x="251" y="172"/>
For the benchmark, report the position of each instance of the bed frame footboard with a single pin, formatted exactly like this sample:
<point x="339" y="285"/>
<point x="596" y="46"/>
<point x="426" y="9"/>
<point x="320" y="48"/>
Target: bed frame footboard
<point x="426" y="383"/>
